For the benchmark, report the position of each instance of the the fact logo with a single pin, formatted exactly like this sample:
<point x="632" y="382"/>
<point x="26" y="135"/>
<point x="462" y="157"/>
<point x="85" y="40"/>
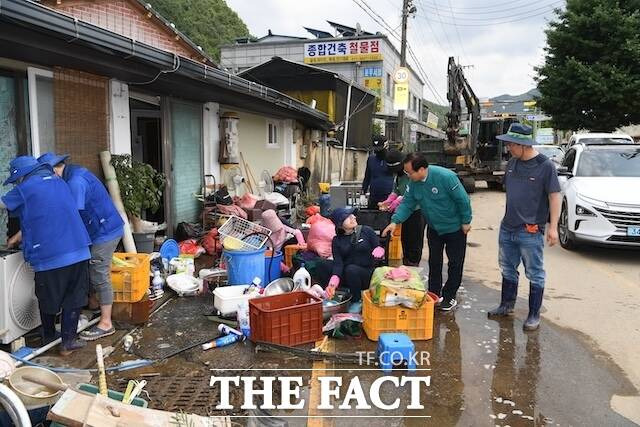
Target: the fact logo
<point x="353" y="396"/>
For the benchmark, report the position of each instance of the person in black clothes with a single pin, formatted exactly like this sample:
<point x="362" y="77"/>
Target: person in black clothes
<point x="378" y="179"/>
<point x="354" y="249"/>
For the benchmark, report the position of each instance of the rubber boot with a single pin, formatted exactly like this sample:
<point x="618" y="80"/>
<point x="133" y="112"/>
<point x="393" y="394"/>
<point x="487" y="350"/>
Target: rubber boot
<point x="49" y="332"/>
<point x="70" y="340"/>
<point x="507" y="299"/>
<point x="535" y="302"/>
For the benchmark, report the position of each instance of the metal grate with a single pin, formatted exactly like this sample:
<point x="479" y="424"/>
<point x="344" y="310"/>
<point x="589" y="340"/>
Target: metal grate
<point x="241" y="231"/>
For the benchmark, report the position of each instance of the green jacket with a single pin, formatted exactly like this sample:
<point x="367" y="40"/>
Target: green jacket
<point x="442" y="198"/>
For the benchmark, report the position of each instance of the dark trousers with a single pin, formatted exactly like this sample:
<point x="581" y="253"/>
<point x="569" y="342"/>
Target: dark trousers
<point x="357" y="279"/>
<point x="455" y="244"/>
<point x="413" y="238"/>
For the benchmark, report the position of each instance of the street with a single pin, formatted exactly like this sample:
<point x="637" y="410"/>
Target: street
<point x="594" y="292"/>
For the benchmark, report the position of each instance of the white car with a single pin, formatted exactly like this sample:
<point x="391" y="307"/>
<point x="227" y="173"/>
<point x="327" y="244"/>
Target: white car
<point x="553" y="152"/>
<point x="599" y="138"/>
<point x="601" y="195"/>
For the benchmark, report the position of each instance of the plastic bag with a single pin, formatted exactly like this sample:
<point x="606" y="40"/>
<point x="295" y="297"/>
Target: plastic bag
<point x="344" y="325"/>
<point x="191" y="247"/>
<point x="386" y="292"/>
<point x="320" y="236"/>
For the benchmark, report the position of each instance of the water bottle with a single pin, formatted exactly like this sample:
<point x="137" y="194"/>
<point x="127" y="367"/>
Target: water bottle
<point x="243" y="318"/>
<point x="302" y="279"/>
<point x="222" y="341"/>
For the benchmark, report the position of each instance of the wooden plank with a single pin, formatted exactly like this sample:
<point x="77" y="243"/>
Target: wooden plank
<point x="78" y="410"/>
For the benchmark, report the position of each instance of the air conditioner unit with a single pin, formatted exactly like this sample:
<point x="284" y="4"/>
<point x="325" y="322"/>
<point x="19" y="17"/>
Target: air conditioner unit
<point x="19" y="312"/>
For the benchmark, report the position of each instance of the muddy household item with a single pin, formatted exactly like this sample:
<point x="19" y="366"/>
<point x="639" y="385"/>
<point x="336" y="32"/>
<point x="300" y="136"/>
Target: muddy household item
<point x="279" y="286"/>
<point x="28" y="381"/>
<point x="14" y="407"/>
<point x="184" y="284"/>
<point x="134" y="313"/>
<point x="243" y="266"/>
<point x="243" y="234"/>
<point x="130" y="276"/>
<point x="272" y="265"/>
<point x="7" y="365"/>
<point x="291" y="319"/>
<point x="144" y="242"/>
<point x="227" y="298"/>
<point x="338" y="304"/>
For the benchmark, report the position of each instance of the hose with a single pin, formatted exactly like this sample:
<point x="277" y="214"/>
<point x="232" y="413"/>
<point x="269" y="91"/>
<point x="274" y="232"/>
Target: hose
<point x="273" y="250"/>
<point x="14" y="407"/>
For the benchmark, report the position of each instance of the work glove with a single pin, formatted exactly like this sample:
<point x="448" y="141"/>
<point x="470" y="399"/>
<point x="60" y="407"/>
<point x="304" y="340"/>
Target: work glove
<point x="378" y="253"/>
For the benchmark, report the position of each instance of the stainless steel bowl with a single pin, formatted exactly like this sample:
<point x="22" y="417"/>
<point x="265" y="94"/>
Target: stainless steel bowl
<point x="279" y="286"/>
<point x="343" y="299"/>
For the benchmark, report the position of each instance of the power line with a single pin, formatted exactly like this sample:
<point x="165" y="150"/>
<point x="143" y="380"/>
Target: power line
<point x="486" y="7"/>
<point x="508" y="16"/>
<point x="489" y="24"/>
<point x="459" y="38"/>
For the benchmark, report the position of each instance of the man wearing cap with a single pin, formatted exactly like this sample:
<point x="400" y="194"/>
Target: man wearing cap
<point x="354" y="249"/>
<point x="447" y="210"/>
<point x="533" y="196"/>
<point x="378" y="179"/>
<point x="54" y="242"/>
<point x="105" y="228"/>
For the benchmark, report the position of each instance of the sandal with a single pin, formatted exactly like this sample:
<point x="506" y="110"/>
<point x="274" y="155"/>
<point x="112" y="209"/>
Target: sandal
<point x="95" y="333"/>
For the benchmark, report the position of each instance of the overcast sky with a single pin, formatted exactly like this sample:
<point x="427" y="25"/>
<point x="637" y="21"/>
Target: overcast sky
<point x="502" y="39"/>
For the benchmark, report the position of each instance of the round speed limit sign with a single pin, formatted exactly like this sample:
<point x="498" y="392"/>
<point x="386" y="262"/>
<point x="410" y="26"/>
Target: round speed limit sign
<point x="401" y="75"/>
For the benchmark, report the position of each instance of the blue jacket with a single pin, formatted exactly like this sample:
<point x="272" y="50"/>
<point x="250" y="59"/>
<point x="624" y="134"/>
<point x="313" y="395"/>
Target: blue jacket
<point x="99" y="214"/>
<point x="378" y="180"/>
<point x="442" y="198"/>
<point x="53" y="235"/>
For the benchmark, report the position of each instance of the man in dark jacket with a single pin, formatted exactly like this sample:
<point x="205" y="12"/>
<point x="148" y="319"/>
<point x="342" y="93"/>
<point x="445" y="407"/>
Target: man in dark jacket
<point x="378" y="179"/>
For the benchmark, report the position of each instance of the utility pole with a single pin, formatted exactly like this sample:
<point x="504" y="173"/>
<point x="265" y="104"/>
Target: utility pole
<point x="407" y="9"/>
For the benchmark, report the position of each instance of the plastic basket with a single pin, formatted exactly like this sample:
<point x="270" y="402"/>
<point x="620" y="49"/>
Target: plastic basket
<point x="130" y="284"/>
<point x="290" y="319"/>
<point x="418" y="324"/>
<point x="241" y="231"/>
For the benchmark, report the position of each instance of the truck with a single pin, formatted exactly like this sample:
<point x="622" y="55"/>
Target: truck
<point x="473" y="151"/>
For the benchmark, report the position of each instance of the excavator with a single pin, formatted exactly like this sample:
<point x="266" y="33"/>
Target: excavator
<point x="473" y="150"/>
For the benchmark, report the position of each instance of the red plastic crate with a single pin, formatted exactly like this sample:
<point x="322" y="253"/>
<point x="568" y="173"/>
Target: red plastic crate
<point x="290" y="319"/>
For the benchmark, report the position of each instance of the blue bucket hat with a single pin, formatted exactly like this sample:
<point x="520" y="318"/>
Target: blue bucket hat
<point x="21" y="166"/>
<point x="518" y="134"/>
<point x="52" y="159"/>
<point x="340" y="214"/>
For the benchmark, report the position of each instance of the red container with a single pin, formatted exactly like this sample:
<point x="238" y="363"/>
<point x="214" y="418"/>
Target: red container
<point x="290" y="319"/>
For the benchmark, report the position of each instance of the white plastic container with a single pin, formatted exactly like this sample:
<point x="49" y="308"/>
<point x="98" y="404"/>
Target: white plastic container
<point x="227" y="298"/>
<point x="302" y="279"/>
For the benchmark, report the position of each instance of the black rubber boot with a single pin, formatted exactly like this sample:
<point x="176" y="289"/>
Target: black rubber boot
<point x="49" y="333"/>
<point x="507" y="299"/>
<point x="70" y="341"/>
<point x="535" y="302"/>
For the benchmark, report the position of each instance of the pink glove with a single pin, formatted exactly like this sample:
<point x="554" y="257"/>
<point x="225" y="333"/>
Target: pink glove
<point x="395" y="204"/>
<point x="299" y="237"/>
<point x="333" y="284"/>
<point x="284" y="268"/>
<point x="378" y="253"/>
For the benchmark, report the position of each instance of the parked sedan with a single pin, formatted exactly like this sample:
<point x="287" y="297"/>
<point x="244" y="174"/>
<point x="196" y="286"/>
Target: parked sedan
<point x="553" y="152"/>
<point x="601" y="200"/>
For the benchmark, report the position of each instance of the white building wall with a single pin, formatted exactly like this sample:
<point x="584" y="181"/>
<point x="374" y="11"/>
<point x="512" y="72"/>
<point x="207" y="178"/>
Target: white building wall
<point x="120" y="121"/>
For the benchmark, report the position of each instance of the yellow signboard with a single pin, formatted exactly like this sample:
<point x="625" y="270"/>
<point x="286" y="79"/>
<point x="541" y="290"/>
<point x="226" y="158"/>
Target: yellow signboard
<point x="374" y="84"/>
<point x="529" y="103"/>
<point x="401" y="96"/>
<point x="432" y="120"/>
<point x="343" y="51"/>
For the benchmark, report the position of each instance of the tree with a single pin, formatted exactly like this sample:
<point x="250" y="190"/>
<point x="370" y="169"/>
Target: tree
<point x="591" y="75"/>
<point x="209" y="23"/>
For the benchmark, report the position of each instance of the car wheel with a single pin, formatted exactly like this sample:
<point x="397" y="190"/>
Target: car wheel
<point x="567" y="240"/>
<point x="469" y="184"/>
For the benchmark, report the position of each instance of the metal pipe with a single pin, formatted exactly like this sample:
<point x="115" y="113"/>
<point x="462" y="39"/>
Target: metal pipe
<point x="346" y="132"/>
<point x="54" y="343"/>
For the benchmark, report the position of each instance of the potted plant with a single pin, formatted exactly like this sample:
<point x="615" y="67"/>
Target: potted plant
<point x="141" y="188"/>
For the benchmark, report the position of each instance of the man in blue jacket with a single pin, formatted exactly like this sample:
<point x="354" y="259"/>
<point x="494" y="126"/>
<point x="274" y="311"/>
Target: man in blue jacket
<point x="54" y="242"/>
<point x="378" y="179"/>
<point x="105" y="228"/>
<point x="447" y="209"/>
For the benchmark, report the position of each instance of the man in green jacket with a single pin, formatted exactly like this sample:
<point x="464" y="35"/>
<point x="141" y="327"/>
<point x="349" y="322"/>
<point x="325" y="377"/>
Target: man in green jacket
<point x="447" y="209"/>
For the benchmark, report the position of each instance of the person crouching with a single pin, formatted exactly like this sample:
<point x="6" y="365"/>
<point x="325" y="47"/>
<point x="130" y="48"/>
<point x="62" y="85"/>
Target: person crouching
<point x="355" y="247"/>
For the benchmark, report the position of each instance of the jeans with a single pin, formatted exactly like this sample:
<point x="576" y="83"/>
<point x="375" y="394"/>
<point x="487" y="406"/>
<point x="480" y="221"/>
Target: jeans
<point x="100" y="270"/>
<point x="517" y="246"/>
<point x="455" y="244"/>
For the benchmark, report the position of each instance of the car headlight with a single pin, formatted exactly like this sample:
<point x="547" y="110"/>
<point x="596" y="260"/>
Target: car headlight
<point x="581" y="210"/>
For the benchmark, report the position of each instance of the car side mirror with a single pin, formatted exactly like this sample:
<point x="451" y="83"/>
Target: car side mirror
<point x="564" y="171"/>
